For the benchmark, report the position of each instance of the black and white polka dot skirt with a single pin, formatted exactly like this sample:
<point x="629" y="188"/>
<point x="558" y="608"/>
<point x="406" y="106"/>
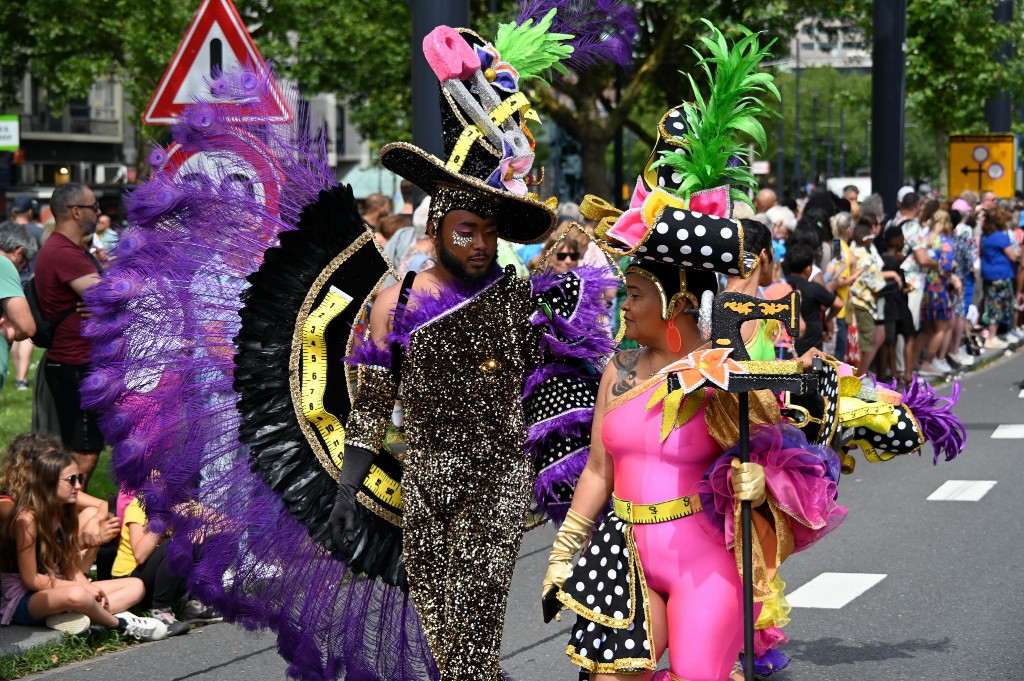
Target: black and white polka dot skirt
<point x="608" y="593"/>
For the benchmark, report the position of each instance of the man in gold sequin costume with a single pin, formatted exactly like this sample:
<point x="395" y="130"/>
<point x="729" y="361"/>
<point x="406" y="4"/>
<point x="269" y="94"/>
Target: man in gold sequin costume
<point x="496" y="374"/>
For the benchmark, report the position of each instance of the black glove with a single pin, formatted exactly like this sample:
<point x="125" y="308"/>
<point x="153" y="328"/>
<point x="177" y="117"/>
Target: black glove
<point x="355" y="466"/>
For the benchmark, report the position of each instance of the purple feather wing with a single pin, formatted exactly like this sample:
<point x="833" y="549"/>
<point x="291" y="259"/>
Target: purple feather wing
<point x="560" y="393"/>
<point x="165" y="316"/>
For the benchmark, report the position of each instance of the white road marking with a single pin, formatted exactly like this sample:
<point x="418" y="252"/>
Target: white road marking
<point x="962" y="490"/>
<point x="833" y="590"/>
<point x="1021" y="394"/>
<point x="1009" y="431"/>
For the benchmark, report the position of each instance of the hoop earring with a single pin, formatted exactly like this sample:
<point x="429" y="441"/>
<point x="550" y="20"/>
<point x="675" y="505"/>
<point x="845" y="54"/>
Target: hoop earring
<point x="672" y="338"/>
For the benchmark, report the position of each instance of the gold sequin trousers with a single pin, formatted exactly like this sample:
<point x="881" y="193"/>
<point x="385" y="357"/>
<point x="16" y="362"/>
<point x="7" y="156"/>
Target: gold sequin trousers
<point x="460" y="545"/>
<point x="466" y="485"/>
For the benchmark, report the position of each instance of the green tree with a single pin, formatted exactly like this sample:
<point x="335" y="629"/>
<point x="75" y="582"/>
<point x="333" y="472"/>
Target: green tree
<point x="67" y="46"/>
<point x="361" y="51"/>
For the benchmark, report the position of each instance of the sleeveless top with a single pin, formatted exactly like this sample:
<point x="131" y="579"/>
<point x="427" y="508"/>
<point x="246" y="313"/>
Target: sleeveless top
<point x="648" y="471"/>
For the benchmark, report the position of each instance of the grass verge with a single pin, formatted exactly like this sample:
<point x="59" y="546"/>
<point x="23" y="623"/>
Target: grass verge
<point x="58" y="653"/>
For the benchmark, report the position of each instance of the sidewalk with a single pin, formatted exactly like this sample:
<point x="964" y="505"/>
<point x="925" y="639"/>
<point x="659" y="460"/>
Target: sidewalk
<point x="986" y="357"/>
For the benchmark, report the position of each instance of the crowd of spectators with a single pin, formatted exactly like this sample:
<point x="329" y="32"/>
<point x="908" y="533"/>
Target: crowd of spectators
<point x="69" y="560"/>
<point x="920" y="292"/>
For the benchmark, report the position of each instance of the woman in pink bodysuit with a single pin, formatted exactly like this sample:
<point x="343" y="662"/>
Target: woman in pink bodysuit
<point x="684" y="593"/>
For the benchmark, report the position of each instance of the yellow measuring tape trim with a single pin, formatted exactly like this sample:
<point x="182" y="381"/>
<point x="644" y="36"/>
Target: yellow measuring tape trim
<point x="314" y="372"/>
<point x="504" y="111"/>
<point x="471" y="133"/>
<point x="460" y="151"/>
<point x="314" y="385"/>
<point x="384" y="487"/>
<point x="656" y="513"/>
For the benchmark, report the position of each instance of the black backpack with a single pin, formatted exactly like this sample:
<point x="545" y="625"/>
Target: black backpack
<point x="45" y="328"/>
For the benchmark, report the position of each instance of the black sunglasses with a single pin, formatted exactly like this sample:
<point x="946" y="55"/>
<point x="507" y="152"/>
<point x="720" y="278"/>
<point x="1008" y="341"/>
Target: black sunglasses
<point x="95" y="207"/>
<point x="76" y="478"/>
<point x="570" y="256"/>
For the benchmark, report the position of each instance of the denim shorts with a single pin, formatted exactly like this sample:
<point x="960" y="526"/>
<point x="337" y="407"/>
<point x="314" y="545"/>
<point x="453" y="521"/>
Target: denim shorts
<point x="22" y="616"/>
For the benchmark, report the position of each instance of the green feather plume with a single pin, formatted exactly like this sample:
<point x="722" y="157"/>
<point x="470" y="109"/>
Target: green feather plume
<point x="735" y="103"/>
<point x="531" y="50"/>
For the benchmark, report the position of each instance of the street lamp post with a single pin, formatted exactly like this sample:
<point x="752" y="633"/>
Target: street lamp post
<point x="426" y="114"/>
<point x="842" y="144"/>
<point x="828" y="143"/>
<point x="814" y="139"/>
<point x="780" y="156"/>
<point x="798" y="176"/>
<point x="887" y="99"/>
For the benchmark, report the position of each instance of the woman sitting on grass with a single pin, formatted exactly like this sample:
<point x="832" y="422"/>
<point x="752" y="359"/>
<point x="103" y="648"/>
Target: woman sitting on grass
<point x="42" y="579"/>
<point x="96" y="526"/>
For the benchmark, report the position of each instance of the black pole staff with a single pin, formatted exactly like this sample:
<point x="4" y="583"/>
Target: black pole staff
<point x="729" y="312"/>
<point x="748" y="553"/>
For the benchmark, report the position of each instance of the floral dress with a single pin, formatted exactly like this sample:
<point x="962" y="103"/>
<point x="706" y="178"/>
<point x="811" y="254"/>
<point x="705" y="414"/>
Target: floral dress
<point x="937" y="304"/>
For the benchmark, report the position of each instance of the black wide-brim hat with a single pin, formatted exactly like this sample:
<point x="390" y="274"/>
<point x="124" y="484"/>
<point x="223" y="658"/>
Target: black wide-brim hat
<point x="519" y="219"/>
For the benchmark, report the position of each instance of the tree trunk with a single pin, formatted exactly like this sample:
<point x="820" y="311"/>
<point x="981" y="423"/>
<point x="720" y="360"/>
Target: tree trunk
<point x="593" y="145"/>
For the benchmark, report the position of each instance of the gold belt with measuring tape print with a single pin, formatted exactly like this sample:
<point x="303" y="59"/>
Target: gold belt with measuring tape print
<point x="645" y="514"/>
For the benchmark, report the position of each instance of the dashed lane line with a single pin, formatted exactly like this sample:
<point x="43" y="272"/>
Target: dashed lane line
<point x="833" y="590"/>
<point x="1009" y="431"/>
<point x="962" y="490"/>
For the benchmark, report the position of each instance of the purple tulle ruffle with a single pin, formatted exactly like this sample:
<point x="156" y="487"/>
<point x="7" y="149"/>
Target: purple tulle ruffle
<point x="801" y="477"/>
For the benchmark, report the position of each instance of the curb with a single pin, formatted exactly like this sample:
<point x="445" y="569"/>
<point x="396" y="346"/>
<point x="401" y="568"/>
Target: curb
<point x="982" y="361"/>
<point x="18" y="640"/>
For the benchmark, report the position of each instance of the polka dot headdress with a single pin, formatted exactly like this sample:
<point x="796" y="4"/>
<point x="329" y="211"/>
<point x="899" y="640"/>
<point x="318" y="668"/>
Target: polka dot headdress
<point x="681" y="209"/>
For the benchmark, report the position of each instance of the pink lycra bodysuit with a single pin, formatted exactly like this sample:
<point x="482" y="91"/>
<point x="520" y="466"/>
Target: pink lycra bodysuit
<point x="694" y="573"/>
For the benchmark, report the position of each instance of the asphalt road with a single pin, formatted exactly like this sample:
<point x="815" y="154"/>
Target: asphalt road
<point x="948" y="606"/>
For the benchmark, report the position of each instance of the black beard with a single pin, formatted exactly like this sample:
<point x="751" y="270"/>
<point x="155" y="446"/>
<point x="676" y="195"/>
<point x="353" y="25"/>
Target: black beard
<point x="451" y="263"/>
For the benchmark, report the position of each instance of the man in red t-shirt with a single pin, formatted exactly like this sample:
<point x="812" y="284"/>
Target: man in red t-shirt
<point x="64" y="271"/>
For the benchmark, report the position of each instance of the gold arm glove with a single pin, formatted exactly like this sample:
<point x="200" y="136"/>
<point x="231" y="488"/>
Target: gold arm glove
<point x="570" y="538"/>
<point x="748" y="482"/>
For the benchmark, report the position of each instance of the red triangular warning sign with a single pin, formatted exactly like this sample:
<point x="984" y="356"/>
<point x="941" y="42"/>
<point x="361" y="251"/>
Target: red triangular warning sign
<point x="216" y="41"/>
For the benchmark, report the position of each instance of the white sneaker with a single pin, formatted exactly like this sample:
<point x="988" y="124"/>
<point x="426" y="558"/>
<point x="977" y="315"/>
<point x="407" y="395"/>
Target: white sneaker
<point x="995" y="343"/>
<point x="962" y="358"/>
<point x="942" y="365"/>
<point x="69" y="622"/>
<point x="143" y="628"/>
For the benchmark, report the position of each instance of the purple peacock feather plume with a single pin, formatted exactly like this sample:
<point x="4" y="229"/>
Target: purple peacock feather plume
<point x="602" y="30"/>
<point x="934" y="413"/>
<point x="164" y="318"/>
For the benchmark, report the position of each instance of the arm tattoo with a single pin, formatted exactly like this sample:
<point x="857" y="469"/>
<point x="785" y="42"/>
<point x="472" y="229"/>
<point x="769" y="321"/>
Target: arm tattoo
<point x="625" y="366"/>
